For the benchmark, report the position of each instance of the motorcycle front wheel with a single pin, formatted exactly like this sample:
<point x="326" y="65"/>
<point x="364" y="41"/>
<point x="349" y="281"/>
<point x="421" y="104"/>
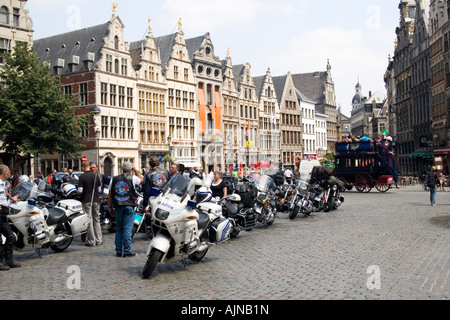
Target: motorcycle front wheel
<point x="293" y="212"/>
<point x="152" y="261"/>
<point x="61" y="246"/>
<point x="329" y="205"/>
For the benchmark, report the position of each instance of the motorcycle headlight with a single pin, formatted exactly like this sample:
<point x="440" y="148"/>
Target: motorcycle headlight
<point x="261" y="197"/>
<point x="335" y="187"/>
<point x="161" y="214"/>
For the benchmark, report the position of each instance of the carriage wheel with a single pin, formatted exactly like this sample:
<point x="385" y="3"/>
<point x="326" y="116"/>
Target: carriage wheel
<point x="382" y="187"/>
<point x="363" y="182"/>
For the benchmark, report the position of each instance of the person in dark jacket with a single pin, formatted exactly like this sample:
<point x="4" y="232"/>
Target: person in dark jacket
<point x="433" y="182"/>
<point x="122" y="198"/>
<point x="155" y="178"/>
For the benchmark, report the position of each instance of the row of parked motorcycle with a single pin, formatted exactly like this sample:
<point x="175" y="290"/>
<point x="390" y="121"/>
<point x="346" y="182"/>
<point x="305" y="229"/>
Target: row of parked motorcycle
<point x="184" y="220"/>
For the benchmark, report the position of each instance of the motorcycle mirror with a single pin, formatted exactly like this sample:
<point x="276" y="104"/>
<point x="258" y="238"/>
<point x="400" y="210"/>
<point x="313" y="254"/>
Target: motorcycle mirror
<point x="155" y="192"/>
<point x="192" y="204"/>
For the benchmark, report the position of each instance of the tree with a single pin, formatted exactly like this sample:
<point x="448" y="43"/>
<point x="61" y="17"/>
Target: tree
<point x="35" y="116"/>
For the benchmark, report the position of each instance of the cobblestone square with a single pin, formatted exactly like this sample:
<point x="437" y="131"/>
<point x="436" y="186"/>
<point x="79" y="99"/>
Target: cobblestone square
<point x="394" y="243"/>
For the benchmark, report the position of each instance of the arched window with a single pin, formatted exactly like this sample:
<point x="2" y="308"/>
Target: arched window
<point x="116" y="42"/>
<point x="116" y="66"/>
<point x="4" y="15"/>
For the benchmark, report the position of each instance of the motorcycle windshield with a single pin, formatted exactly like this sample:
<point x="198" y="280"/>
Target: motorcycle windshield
<point x="264" y="183"/>
<point x="23" y="190"/>
<point x="180" y="186"/>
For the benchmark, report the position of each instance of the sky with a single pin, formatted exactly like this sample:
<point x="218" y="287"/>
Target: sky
<point x="298" y="36"/>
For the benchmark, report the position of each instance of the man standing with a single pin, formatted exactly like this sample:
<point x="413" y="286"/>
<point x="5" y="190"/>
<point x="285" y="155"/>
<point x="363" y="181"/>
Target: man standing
<point x="173" y="170"/>
<point x="88" y="188"/>
<point x="6" y="250"/>
<point x="122" y="198"/>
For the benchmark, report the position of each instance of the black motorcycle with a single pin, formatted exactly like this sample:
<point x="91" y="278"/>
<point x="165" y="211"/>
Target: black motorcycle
<point x="241" y="218"/>
<point x="265" y="206"/>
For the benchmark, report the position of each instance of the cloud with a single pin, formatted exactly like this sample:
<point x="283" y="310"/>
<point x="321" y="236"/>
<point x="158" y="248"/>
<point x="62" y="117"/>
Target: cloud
<point x="350" y="54"/>
<point x="198" y="14"/>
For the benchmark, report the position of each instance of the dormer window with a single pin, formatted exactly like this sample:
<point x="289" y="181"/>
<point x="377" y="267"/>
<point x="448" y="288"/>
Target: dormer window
<point x="116" y="42"/>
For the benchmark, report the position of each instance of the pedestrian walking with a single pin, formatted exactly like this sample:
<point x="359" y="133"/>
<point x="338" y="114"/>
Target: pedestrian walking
<point x="6" y="249"/>
<point x="122" y="198"/>
<point x="288" y="175"/>
<point x="432" y="183"/>
<point x="89" y="186"/>
<point x="234" y="174"/>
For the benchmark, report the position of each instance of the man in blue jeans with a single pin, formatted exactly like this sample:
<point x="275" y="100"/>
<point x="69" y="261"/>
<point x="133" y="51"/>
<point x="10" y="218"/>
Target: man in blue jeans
<point x="122" y="198"/>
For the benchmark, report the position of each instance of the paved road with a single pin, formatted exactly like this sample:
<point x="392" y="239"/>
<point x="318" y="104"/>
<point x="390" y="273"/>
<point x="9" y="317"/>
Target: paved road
<point x="394" y="243"/>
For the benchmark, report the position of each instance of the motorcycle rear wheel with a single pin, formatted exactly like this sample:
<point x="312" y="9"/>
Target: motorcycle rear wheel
<point x="152" y="261"/>
<point x="235" y="232"/>
<point x="197" y="256"/>
<point x="61" y="246"/>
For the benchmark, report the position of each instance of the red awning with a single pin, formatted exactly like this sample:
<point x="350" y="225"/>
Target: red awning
<point x="442" y="151"/>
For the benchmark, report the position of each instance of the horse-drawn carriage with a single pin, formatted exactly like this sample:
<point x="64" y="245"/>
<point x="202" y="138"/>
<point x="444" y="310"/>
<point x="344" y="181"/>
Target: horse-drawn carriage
<point x="366" y="164"/>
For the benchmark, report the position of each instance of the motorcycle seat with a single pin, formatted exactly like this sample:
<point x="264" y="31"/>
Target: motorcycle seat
<point x="55" y="216"/>
<point x="203" y="220"/>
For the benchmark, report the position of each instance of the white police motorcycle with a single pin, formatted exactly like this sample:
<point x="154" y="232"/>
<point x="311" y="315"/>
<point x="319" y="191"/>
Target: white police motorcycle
<point x="183" y="228"/>
<point x="37" y="224"/>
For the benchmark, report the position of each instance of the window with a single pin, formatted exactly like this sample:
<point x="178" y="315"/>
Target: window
<point x="121" y="96"/>
<point x="116" y="66"/>
<point x="5" y="46"/>
<point x="113" y="94"/>
<point x="186" y="75"/>
<point x="104" y="127"/>
<point x="122" y="128"/>
<point x="68" y="90"/>
<point x="4" y="15"/>
<point x="124" y="68"/>
<point x="16" y="17"/>
<point x="116" y="42"/>
<point x="104" y="93"/>
<point x="130" y="129"/>
<point x="109" y="60"/>
<point x="185" y="99"/>
<point x="171" y="97"/>
<point x="175" y="72"/>
<point x="178" y="98"/>
<point x="129" y="98"/>
<point x="151" y="71"/>
<point x="113" y="128"/>
<point x="84" y="94"/>
<point x="84" y="130"/>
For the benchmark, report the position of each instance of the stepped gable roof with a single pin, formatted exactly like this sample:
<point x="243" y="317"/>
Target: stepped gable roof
<point x="312" y="85"/>
<point x="238" y="72"/>
<point x="279" y="83"/>
<point x="259" y="84"/>
<point x="75" y="43"/>
<point x="193" y="45"/>
<point x="165" y="45"/>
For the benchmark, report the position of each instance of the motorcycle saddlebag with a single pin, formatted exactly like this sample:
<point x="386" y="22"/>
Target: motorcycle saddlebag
<point x="220" y="230"/>
<point x="246" y="219"/>
<point x="79" y="223"/>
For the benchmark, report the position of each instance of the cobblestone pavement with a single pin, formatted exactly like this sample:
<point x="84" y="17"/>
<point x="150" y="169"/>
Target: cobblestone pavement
<point x="329" y="256"/>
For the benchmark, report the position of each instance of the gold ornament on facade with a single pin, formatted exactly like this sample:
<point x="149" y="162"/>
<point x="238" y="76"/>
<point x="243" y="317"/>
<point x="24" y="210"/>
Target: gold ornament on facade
<point x="179" y="24"/>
